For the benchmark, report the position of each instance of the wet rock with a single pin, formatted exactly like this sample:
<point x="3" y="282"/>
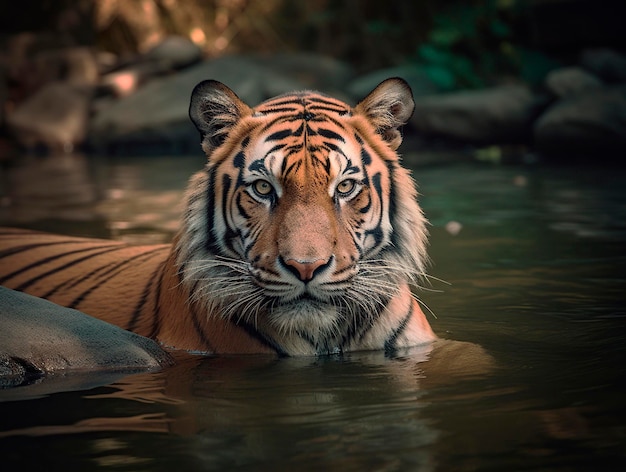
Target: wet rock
<point x="592" y="123"/>
<point x="38" y="337"/>
<point x="570" y="81"/>
<point x="55" y="116"/>
<point x="499" y="115"/>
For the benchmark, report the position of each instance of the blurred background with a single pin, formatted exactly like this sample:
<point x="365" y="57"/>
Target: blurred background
<point x="517" y="143"/>
<point x="113" y="76"/>
<point x="94" y="93"/>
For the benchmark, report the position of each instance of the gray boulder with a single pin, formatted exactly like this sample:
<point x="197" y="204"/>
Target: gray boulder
<point x="498" y="115"/>
<point x="591" y="123"/>
<point x="419" y="81"/>
<point x="570" y="81"/>
<point x="38" y="337"/>
<point x="158" y="112"/>
<point x="606" y="64"/>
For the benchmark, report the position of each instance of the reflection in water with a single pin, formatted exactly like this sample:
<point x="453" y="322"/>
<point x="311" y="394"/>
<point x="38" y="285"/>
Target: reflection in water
<point x="244" y="410"/>
<point x="537" y="274"/>
<point x="125" y="199"/>
<point x="54" y="187"/>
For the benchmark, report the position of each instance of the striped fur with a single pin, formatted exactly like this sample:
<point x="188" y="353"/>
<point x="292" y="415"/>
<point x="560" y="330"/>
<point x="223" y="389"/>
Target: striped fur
<point x="300" y="236"/>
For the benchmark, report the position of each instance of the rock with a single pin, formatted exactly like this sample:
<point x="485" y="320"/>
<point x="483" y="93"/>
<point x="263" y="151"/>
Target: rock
<point x="592" y="124"/>
<point x="570" y="81"/>
<point x="38" y="337"/>
<point x="419" y="81"/>
<point x="492" y="116"/>
<point x="312" y="71"/>
<point x="157" y="114"/>
<point x="55" y="116"/>
<point x="607" y="64"/>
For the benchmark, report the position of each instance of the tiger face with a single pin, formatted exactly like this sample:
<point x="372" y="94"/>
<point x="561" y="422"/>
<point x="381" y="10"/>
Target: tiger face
<point x="303" y="223"/>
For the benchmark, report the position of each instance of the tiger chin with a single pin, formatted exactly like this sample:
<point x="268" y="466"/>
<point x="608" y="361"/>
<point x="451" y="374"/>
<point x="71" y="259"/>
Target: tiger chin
<point x="301" y="236"/>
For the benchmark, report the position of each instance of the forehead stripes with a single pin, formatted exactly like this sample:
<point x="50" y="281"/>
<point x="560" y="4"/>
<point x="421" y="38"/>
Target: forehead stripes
<point x="293" y="123"/>
<point x="303" y="106"/>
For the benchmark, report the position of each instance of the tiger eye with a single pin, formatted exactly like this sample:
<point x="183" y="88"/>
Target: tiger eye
<point x="262" y="187"/>
<point x="346" y="186"/>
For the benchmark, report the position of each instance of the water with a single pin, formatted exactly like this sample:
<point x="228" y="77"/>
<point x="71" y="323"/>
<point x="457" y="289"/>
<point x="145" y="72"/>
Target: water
<point x="534" y="269"/>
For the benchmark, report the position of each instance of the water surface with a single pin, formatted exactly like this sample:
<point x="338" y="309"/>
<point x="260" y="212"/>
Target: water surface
<point x="532" y="273"/>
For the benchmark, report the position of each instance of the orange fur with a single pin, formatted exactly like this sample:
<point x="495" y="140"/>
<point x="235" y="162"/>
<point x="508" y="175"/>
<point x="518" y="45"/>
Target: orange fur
<point x="300" y="237"/>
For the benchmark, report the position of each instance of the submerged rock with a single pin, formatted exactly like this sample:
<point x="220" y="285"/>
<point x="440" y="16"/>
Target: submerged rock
<point x="38" y="337"/>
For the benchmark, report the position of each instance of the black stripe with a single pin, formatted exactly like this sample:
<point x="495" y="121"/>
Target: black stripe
<point x="377" y="232"/>
<point x="393" y="214"/>
<point x="27" y="247"/>
<point x="239" y="160"/>
<point x="281" y="110"/>
<point x="141" y="303"/>
<point x="293" y="149"/>
<point x="366" y="158"/>
<point x="230" y="233"/>
<point x="156" y="321"/>
<point x="333" y="147"/>
<point x="285" y="100"/>
<point x="274" y="149"/>
<point x="298" y="132"/>
<point x="390" y="343"/>
<point x="272" y="123"/>
<point x="211" y="238"/>
<point x="262" y="338"/>
<point x="198" y="326"/>
<point x="74" y="281"/>
<point x="368" y="206"/>
<point x="327" y="118"/>
<point x="109" y="274"/>
<point x="313" y="100"/>
<point x="330" y="107"/>
<point x="292" y="168"/>
<point x="45" y="260"/>
<point x="278" y="135"/>
<point x="330" y="134"/>
<point x="240" y="208"/>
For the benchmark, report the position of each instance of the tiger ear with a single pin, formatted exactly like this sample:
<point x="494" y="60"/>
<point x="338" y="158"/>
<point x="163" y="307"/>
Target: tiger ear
<point x="215" y="109"/>
<point x="388" y="107"/>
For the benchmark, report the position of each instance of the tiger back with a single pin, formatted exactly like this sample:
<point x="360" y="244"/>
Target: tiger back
<point x="301" y="236"/>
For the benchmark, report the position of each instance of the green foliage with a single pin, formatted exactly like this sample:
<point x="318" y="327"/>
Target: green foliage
<point x="470" y="45"/>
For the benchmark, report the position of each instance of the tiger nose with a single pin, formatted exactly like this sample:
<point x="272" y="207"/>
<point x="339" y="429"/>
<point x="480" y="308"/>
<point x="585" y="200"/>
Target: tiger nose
<point x="305" y="270"/>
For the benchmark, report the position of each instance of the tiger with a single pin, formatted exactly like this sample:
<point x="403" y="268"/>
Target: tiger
<point x="302" y="235"/>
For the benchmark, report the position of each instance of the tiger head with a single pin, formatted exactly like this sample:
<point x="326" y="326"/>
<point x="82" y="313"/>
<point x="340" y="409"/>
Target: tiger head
<point x="303" y="222"/>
